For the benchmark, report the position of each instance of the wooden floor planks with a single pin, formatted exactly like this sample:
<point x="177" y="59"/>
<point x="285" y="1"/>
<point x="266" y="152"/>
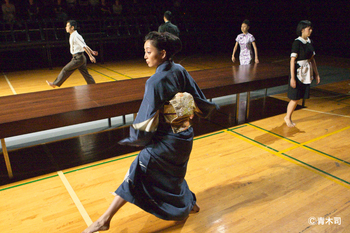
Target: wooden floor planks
<point x="246" y="178"/>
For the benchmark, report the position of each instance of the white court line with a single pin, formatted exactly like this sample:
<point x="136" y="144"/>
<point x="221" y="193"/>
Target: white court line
<point x="326" y="113"/>
<point x="8" y="81"/>
<point x="75" y="198"/>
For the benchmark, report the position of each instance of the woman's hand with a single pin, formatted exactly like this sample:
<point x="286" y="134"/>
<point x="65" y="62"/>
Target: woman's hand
<point x="233" y="59"/>
<point x="318" y="79"/>
<point x="293" y="83"/>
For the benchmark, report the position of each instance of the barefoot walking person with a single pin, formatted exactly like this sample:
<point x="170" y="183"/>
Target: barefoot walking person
<point x="77" y="48"/>
<point x="155" y="180"/>
<point x="302" y="68"/>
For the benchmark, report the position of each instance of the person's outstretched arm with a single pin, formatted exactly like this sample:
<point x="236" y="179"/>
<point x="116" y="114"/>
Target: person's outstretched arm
<point x="91" y="53"/>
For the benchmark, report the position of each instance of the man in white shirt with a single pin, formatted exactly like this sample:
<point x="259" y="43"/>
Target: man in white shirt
<point x="77" y="48"/>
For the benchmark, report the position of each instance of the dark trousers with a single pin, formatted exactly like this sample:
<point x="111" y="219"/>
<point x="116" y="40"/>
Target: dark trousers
<point x="78" y="62"/>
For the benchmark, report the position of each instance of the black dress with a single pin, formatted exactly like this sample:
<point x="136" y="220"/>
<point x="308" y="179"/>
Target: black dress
<point x="303" y="50"/>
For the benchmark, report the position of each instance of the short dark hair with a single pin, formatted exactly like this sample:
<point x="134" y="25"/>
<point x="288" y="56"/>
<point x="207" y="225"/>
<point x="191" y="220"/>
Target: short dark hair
<point x="73" y="23"/>
<point x="165" y="41"/>
<point x="303" y="24"/>
<point x="246" y="21"/>
<point x="168" y="15"/>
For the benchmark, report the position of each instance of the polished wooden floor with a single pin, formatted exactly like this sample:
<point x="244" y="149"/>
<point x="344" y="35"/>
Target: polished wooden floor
<point x="259" y="176"/>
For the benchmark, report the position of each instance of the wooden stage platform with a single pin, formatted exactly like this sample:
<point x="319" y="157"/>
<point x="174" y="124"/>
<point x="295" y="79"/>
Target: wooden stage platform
<point x="37" y="111"/>
<point x="259" y="176"/>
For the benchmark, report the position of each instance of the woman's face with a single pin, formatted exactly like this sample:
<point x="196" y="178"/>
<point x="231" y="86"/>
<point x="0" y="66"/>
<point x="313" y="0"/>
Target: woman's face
<point x="153" y="56"/>
<point x="306" y="32"/>
<point x="244" y="28"/>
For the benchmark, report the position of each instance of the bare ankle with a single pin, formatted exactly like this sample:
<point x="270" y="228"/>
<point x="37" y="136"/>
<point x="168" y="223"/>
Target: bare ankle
<point x="195" y="209"/>
<point x="289" y="121"/>
<point x="99" y="225"/>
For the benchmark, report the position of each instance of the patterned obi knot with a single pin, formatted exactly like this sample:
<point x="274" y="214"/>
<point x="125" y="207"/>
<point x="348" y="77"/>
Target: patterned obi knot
<point x="179" y="111"/>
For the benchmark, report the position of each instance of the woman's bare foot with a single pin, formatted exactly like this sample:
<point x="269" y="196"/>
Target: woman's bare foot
<point x="195" y="209"/>
<point x="97" y="226"/>
<point x="289" y="122"/>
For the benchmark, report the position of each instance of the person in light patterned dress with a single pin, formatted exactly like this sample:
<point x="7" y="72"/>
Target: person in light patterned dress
<point x="245" y="41"/>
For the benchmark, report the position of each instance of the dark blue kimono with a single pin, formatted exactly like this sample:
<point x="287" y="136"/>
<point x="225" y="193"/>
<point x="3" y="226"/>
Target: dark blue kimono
<point x="155" y="181"/>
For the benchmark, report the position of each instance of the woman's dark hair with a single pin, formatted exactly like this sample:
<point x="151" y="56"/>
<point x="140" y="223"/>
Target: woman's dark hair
<point x="165" y="41"/>
<point x="246" y="21"/>
<point x="303" y="24"/>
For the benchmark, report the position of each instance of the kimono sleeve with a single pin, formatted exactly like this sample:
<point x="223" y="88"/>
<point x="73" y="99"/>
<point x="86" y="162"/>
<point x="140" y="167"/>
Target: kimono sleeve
<point x="147" y="119"/>
<point x="206" y="108"/>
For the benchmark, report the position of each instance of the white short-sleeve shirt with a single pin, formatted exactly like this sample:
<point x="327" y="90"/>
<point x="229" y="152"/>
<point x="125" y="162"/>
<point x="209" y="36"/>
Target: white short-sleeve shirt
<point x="76" y="42"/>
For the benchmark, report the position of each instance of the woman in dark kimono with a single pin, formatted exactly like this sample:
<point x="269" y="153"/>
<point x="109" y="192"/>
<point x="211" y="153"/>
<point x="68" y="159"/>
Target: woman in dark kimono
<point x="302" y="68"/>
<point x="155" y="181"/>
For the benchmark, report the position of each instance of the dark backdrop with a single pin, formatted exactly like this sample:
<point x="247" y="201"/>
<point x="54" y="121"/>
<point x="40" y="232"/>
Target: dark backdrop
<point x="213" y="26"/>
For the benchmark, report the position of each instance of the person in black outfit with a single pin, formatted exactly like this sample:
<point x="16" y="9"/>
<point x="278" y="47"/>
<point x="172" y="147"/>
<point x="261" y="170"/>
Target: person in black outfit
<point x="167" y="26"/>
<point x="33" y="10"/>
<point x="302" y="68"/>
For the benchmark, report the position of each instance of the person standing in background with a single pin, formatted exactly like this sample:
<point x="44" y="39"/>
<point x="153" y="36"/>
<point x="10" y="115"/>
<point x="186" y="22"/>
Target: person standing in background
<point x="117" y="8"/>
<point x="33" y="10"/>
<point x="167" y="26"/>
<point x="245" y="40"/>
<point x="8" y="11"/>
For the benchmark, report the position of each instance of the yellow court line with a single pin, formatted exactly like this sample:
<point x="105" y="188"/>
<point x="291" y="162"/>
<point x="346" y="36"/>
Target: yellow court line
<point x="326" y="135"/>
<point x="279" y="154"/>
<point x="114" y="71"/>
<point x="328" y="113"/>
<point x="296" y="143"/>
<point x="303" y="145"/>
<point x="289" y="149"/>
<point x="273" y="134"/>
<point x="109" y="77"/>
<point x="288" y="140"/>
<point x="317" y="152"/>
<point x="75" y="198"/>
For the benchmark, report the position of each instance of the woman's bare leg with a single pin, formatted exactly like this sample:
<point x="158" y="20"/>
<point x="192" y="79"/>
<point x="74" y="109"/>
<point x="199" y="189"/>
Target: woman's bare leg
<point x="102" y="224"/>
<point x="290" y="109"/>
